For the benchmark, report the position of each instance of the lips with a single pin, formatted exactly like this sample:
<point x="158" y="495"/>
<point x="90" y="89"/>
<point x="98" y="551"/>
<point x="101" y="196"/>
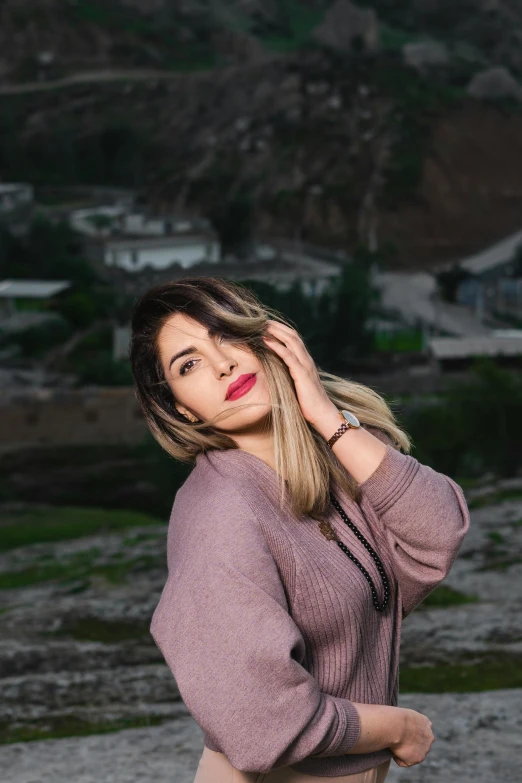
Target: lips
<point x="237" y="384"/>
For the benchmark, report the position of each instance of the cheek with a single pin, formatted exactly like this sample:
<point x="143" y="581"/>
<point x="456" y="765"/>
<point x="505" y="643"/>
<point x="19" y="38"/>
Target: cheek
<point x="260" y="389"/>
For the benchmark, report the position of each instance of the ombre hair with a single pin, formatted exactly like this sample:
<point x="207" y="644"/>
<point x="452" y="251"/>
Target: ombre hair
<point x="231" y="310"/>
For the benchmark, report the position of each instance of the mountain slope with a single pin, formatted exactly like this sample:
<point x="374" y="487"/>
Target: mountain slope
<point x="335" y="147"/>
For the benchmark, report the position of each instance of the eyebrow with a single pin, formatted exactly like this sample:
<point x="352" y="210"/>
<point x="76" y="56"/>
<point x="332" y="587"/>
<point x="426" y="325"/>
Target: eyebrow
<point x="184" y="352"/>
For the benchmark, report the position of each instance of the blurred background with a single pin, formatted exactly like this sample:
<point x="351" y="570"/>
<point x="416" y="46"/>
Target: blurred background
<point x="359" y="166"/>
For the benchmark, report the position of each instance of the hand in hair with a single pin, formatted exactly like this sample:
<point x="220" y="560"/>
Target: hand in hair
<point x="311" y="394"/>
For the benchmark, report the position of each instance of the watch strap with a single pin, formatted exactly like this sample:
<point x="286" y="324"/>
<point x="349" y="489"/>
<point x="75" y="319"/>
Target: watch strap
<point x="342" y="429"/>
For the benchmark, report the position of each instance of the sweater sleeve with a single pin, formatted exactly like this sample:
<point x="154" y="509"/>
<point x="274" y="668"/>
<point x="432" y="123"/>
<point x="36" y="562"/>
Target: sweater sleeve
<point x="425" y="519"/>
<point x="224" y="628"/>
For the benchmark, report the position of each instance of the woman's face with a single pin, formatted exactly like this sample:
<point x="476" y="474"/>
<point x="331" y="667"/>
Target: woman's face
<point x="199" y="379"/>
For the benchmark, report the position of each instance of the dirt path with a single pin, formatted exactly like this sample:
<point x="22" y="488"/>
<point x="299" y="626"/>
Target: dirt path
<point x="125" y="75"/>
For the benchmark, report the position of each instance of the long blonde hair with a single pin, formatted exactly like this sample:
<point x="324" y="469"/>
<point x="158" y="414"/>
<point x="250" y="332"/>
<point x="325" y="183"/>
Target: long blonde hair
<point x="230" y="309"/>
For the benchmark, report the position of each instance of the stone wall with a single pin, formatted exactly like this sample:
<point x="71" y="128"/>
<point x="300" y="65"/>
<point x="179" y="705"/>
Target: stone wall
<point x="103" y="415"/>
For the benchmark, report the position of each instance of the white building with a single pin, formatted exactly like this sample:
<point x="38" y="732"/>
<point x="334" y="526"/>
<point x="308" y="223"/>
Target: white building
<point x="14" y="195"/>
<point x="117" y="238"/>
<point x="136" y="253"/>
<point x="116" y="219"/>
<point x="456" y="353"/>
<point x="13" y="293"/>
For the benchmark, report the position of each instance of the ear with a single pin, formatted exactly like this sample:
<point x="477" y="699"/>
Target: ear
<point x="184" y="412"/>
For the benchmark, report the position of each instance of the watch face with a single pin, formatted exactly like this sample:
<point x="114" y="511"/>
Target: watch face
<point x="351" y="418"/>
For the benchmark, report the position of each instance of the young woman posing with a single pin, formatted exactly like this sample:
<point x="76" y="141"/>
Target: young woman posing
<point x="296" y="546"/>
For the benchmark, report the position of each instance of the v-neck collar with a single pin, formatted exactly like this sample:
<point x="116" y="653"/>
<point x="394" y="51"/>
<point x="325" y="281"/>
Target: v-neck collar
<point x="238" y="462"/>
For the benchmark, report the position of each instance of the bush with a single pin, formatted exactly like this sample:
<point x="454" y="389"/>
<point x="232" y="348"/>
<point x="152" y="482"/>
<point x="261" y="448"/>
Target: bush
<point x="78" y="308"/>
<point x="102" y="370"/>
<point x="37" y="340"/>
<point x="476" y="426"/>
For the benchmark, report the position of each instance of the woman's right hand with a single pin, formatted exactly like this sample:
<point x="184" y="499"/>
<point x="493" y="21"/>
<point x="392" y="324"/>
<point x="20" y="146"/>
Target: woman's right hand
<point x="416" y="740"/>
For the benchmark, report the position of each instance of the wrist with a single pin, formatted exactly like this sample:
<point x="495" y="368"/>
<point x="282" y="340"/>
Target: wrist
<point x="327" y="422"/>
<point x="382" y="726"/>
<point x="399" y="727"/>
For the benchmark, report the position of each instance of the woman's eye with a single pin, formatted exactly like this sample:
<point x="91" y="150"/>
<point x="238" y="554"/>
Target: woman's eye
<point x="182" y="370"/>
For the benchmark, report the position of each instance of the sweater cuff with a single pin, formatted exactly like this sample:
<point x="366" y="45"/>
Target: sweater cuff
<point x="391" y="479"/>
<point x="352" y="727"/>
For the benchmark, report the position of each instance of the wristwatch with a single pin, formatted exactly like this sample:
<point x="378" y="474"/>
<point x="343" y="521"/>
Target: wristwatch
<point x="350" y="421"/>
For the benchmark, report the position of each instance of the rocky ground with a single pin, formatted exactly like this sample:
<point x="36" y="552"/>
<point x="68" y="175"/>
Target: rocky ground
<point x="85" y="694"/>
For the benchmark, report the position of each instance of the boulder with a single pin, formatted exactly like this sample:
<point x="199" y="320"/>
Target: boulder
<point x="236" y="46"/>
<point x="425" y="54"/>
<point x="345" y="22"/>
<point x="494" y="83"/>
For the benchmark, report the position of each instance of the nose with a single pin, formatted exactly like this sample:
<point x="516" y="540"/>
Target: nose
<point x="229" y="368"/>
<point x="224" y="363"/>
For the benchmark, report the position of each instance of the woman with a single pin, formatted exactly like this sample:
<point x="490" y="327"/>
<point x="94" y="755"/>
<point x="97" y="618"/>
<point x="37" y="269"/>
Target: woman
<point x="296" y="545"/>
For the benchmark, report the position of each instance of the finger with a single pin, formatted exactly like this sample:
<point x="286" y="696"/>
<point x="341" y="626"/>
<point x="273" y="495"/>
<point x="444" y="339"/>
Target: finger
<point x="297" y="346"/>
<point x="277" y="326"/>
<point x="272" y="322"/>
<point x="288" y="355"/>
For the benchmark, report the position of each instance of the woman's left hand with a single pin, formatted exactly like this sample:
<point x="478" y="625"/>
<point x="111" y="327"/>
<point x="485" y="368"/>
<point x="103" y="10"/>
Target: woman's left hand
<point x="311" y="395"/>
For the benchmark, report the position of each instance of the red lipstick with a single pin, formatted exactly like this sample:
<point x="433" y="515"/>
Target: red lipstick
<point x="241" y="386"/>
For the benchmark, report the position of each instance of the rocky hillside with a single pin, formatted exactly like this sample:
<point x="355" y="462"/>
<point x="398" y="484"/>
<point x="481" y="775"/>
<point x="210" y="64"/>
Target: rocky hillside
<point x="80" y="34"/>
<point x="167" y="33"/>
<point x="325" y="120"/>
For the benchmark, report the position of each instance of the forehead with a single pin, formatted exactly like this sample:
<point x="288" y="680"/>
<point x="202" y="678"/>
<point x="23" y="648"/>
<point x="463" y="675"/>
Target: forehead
<point x="177" y="329"/>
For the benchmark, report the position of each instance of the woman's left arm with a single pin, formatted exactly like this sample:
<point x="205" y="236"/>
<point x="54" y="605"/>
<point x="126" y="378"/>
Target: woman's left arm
<point x="424" y="513"/>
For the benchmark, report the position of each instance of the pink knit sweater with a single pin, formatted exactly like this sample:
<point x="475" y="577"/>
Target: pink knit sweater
<point x="269" y="628"/>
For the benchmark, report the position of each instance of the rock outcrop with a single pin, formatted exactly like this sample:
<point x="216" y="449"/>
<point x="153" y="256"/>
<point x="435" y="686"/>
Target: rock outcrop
<point x="345" y="23"/>
<point x="425" y="55"/>
<point x="493" y="84"/>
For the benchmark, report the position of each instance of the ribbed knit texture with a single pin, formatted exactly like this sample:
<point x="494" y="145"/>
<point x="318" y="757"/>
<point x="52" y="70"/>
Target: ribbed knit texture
<point x="269" y="628"/>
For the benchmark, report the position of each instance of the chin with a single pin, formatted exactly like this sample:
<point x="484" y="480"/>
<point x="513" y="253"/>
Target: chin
<point x="248" y="421"/>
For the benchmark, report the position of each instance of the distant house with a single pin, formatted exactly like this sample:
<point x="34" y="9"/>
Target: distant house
<point x="136" y="253"/>
<point x="17" y="300"/>
<point x="115" y="238"/>
<point x="492" y="284"/>
<point x="457" y="353"/>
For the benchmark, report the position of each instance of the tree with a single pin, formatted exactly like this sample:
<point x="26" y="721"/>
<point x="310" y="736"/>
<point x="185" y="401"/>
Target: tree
<point x="100" y="221"/>
<point x="333" y="325"/>
<point x="455" y="432"/>
<point x="234" y="222"/>
<point x="49" y="251"/>
<point x="449" y="281"/>
<point x="517" y="259"/>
